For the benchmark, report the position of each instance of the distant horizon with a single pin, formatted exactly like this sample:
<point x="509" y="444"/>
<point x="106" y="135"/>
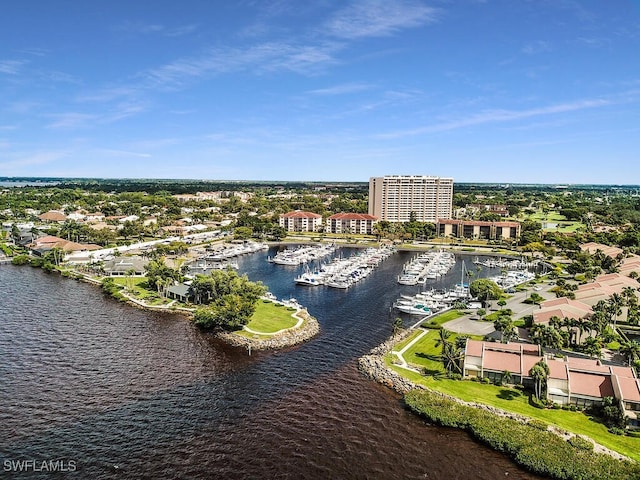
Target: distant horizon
<point x="23" y="179"/>
<point x="482" y="91"/>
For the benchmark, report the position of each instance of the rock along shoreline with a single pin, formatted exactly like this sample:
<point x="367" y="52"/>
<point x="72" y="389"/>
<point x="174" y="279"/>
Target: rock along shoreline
<point x="287" y="338"/>
<point x="373" y="366"/>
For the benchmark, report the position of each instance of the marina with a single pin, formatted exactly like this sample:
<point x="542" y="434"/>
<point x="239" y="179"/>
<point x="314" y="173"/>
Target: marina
<point x="302" y="254"/>
<point x="342" y="273"/>
<point x="426" y="266"/>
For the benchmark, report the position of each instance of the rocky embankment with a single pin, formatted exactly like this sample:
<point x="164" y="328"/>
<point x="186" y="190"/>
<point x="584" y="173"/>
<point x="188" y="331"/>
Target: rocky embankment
<point x="373" y="366"/>
<point x="309" y="329"/>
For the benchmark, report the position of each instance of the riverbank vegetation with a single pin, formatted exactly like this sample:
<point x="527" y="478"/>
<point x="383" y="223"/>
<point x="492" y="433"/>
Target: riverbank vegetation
<point x="530" y="445"/>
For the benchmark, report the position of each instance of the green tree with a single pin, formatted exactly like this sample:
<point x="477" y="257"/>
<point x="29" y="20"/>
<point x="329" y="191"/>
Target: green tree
<point x="630" y="349"/>
<point x="505" y="326"/>
<point x="485" y="290"/>
<point x="539" y="373"/>
<point x="229" y="299"/>
<point x="396" y="326"/>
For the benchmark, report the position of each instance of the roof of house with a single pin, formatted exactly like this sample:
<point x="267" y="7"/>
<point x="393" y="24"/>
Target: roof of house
<point x="630" y="389"/>
<point x="591" y="247"/>
<point x="49" y="242"/>
<point x="352" y="216"/>
<point x="477" y="223"/>
<point x="300" y="214"/>
<point x="124" y="264"/>
<point x="53" y="216"/>
<point x="180" y="290"/>
<point x="591" y="385"/>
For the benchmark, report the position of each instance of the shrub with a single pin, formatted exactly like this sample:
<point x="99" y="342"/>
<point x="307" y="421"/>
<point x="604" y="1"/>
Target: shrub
<point x="580" y="443"/>
<point x="538" y="424"/>
<point x="540" y="451"/>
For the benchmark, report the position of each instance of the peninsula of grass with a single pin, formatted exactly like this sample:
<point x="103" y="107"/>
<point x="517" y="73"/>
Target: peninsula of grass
<point x="271" y="317"/>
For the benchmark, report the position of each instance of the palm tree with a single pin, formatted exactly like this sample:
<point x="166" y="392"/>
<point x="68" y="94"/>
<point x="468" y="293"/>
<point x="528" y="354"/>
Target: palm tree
<point x="396" y="325"/>
<point x="505" y="326"/>
<point x="615" y="306"/>
<point x="631" y="351"/>
<point x="593" y="347"/>
<point x="507" y="376"/>
<point x="539" y="373"/>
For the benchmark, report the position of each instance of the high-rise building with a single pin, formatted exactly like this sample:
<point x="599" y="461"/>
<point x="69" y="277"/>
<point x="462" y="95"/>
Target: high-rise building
<point x="395" y="197"/>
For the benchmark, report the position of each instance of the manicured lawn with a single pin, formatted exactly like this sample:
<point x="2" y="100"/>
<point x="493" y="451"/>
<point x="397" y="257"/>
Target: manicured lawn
<point x="425" y="354"/>
<point x="514" y="400"/>
<point x="136" y="285"/>
<point x="406" y="341"/>
<point x="270" y="317"/>
<point x="444" y="318"/>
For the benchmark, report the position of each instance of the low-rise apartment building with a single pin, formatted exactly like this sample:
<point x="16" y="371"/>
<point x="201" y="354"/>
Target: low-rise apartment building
<point x="360" y="223"/>
<point x="300" y="221"/>
<point x="478" y="229"/>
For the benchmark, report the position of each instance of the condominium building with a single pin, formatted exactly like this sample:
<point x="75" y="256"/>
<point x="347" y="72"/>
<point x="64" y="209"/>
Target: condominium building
<point x="351" y="223"/>
<point x="396" y="197"/>
<point x="299" y="221"/>
<point x="478" y="229"/>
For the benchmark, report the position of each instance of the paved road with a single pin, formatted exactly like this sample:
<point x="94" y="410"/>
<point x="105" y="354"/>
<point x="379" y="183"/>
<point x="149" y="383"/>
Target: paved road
<point x="467" y="325"/>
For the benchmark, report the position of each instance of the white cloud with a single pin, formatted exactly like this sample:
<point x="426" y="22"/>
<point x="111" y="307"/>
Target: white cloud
<point x="262" y="58"/>
<point x="539" y="46"/>
<point x="123" y="153"/>
<point x="493" y="116"/>
<point x="378" y="18"/>
<point x="342" y="89"/>
<point x="71" y="119"/>
<point x="11" y="67"/>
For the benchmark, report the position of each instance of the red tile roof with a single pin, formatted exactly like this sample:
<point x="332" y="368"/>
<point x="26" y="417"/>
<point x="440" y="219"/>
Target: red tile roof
<point x="300" y="214"/>
<point x="591" y="385"/>
<point x="352" y="216"/>
<point x="630" y="389"/>
<point x="53" y="216"/>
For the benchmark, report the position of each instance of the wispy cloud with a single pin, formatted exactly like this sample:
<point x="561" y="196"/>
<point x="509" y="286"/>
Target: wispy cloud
<point x="342" y="89"/>
<point x="123" y="153"/>
<point x="39" y="158"/>
<point x="495" y="116"/>
<point x="11" y="67"/>
<point x="378" y="18"/>
<point x="263" y="58"/>
<point x="141" y="28"/>
<point x="70" y="120"/>
<point x="539" y="46"/>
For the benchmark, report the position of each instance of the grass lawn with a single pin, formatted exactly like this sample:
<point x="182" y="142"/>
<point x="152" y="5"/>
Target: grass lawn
<point x="270" y="317"/>
<point x="443" y="318"/>
<point x="425" y="354"/>
<point x="514" y="400"/>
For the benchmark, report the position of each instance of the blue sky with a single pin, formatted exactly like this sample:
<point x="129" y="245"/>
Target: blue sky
<point x="538" y="91"/>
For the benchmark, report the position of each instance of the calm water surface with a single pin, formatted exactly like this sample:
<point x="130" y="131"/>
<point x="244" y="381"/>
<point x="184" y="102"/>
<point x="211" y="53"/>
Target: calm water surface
<point x="131" y="394"/>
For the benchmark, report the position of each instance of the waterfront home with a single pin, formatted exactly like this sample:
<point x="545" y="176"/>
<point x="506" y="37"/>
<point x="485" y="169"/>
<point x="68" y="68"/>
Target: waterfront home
<point x="179" y="292"/>
<point x="125" y="266"/>
<point x="45" y="244"/>
<point x="572" y="380"/>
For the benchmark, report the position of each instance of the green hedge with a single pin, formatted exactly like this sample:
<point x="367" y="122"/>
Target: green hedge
<point x="535" y="449"/>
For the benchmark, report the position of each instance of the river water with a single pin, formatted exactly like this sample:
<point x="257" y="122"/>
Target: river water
<point x="123" y="393"/>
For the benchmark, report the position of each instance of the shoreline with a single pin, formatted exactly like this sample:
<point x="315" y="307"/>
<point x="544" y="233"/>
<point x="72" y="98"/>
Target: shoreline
<point x="287" y="338"/>
<point x="372" y="365"/>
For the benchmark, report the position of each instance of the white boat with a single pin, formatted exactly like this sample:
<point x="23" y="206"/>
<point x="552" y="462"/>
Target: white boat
<point x="415" y="309"/>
